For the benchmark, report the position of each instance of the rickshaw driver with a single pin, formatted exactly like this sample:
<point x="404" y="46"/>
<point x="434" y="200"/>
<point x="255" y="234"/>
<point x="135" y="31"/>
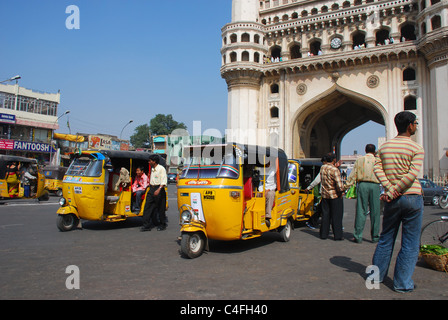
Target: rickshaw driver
<point x="154" y="211"/>
<point x="271" y="186"/>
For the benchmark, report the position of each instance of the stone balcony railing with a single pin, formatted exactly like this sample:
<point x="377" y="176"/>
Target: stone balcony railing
<point x="331" y="61"/>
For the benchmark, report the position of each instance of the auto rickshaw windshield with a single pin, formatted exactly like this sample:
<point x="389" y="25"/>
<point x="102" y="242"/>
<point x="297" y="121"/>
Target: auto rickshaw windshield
<point x="85" y="167"/>
<point x="210" y="164"/>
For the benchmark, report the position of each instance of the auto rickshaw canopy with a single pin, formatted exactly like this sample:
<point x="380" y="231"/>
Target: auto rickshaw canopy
<point x="250" y="155"/>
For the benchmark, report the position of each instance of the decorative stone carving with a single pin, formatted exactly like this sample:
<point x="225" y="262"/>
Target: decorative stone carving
<point x="373" y="81"/>
<point x="301" y="89"/>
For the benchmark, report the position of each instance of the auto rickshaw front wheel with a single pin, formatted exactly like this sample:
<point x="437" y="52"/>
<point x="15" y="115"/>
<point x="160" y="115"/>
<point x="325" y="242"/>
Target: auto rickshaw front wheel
<point x="192" y="244"/>
<point x="285" y="231"/>
<point x="67" y="222"/>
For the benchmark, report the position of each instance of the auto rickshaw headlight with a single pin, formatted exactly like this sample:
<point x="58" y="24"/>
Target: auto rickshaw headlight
<point x="185" y="216"/>
<point x="62" y="201"/>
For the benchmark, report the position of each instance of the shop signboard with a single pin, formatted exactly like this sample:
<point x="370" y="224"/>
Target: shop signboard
<point x="25" y="146"/>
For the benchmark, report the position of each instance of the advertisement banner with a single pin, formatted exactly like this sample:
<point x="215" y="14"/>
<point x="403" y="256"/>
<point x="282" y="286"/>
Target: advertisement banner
<point x="100" y="142"/>
<point x="25" y="146"/>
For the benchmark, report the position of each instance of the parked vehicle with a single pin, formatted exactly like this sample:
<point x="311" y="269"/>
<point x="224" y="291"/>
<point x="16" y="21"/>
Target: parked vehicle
<point x="14" y="184"/>
<point x="53" y="179"/>
<point x="301" y="173"/>
<point x="172" y="178"/>
<point x="95" y="187"/>
<point x="431" y="191"/>
<point x="221" y="195"/>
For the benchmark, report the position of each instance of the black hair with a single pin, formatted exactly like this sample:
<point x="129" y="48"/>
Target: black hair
<point x="370" y="148"/>
<point x="330" y="157"/>
<point x="403" y="119"/>
<point x="154" y="158"/>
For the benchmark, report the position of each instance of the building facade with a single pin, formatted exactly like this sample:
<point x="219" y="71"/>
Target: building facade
<point x="27" y="121"/>
<point x="302" y="74"/>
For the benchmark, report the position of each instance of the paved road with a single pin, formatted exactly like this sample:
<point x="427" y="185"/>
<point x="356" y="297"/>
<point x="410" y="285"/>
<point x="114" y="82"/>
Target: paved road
<point x="116" y="261"/>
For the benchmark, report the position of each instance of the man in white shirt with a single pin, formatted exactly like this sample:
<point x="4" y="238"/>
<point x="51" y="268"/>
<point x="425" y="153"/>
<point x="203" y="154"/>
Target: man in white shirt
<point x="271" y="186"/>
<point x="155" y="207"/>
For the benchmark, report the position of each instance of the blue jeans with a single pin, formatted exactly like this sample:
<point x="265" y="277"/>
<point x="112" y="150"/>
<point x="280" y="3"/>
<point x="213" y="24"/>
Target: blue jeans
<point x="407" y="210"/>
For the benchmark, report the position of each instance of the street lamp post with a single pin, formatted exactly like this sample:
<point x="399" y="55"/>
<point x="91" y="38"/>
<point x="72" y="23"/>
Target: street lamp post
<point x="130" y="121"/>
<point x="52" y="135"/>
<point x="12" y="79"/>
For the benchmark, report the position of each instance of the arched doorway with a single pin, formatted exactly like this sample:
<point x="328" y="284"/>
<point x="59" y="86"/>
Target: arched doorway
<point x="321" y="124"/>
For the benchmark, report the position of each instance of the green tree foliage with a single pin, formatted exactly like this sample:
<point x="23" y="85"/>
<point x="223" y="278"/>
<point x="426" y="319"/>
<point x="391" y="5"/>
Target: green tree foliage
<point x="159" y="125"/>
<point x="164" y="124"/>
<point x="140" y="138"/>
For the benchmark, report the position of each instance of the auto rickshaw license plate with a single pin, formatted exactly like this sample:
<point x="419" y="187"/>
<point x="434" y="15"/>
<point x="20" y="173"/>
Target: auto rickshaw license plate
<point x="209" y="195"/>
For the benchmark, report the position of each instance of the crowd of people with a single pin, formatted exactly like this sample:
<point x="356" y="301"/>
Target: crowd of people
<point x="388" y="175"/>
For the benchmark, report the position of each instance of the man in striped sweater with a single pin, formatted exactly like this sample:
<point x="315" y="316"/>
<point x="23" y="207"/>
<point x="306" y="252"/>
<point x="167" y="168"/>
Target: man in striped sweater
<point x="397" y="165"/>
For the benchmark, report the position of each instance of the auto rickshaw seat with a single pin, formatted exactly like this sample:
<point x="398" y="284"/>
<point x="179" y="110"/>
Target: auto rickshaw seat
<point x="248" y="188"/>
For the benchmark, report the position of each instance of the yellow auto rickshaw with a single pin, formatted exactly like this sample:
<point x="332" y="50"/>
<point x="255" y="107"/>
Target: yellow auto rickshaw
<point x="301" y="174"/>
<point x="221" y="195"/>
<point x="53" y="179"/>
<point x="97" y="187"/>
<point x="21" y="178"/>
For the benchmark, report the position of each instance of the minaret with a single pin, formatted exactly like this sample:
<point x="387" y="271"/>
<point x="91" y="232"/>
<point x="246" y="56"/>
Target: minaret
<point x="433" y="23"/>
<point x="242" y="60"/>
<point x="244" y="10"/>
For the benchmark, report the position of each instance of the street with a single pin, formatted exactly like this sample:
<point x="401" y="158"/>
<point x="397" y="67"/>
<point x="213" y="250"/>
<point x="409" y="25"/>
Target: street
<point x="117" y="261"/>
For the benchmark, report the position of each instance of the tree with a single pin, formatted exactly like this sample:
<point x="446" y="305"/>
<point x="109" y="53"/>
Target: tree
<point x="159" y="125"/>
<point x="164" y="124"/>
<point x="140" y="138"/>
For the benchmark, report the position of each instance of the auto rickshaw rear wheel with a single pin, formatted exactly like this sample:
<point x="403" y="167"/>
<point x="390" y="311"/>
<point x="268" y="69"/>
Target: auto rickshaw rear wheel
<point x="285" y="231"/>
<point x="192" y="244"/>
<point x="67" y="222"/>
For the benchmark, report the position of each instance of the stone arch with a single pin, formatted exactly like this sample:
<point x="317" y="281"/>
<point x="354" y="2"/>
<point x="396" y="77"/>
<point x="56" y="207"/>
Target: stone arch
<point x="329" y="117"/>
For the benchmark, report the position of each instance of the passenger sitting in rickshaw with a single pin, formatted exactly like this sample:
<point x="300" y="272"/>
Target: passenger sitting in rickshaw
<point x="27" y="179"/>
<point x="141" y="182"/>
<point x="12" y="179"/>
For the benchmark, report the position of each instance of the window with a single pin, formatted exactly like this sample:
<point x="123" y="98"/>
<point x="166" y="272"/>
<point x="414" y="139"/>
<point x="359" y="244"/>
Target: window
<point x="423" y="27"/>
<point x="295" y="52"/>
<point x="245" y="56"/>
<point x="408" y="74"/>
<point x="233" y="38"/>
<point x="276" y="52"/>
<point x="233" y="57"/>
<point x="274" y="113"/>
<point x="274" y="88"/>
<point x="245" y="37"/>
<point x="382" y="36"/>
<point x="41" y="135"/>
<point x="408" y="32"/>
<point x="436" y="22"/>
<point x="410" y="103"/>
<point x="359" y="39"/>
<point x="315" y="47"/>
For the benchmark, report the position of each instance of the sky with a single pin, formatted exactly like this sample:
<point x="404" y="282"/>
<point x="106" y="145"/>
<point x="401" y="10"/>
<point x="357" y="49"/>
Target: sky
<point x="129" y="60"/>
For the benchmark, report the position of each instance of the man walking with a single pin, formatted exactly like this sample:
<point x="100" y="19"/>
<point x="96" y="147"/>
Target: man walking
<point x="154" y="211"/>
<point x="397" y="165"/>
<point x="332" y="202"/>
<point x="368" y="191"/>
